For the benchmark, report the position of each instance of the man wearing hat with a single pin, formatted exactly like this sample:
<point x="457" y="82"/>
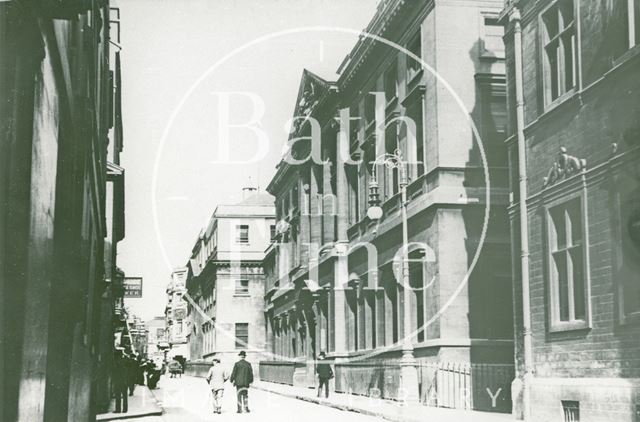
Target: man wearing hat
<point x="120" y="381"/>
<point x="242" y="377"/>
<point x="216" y="378"/>
<point x="325" y="373"/>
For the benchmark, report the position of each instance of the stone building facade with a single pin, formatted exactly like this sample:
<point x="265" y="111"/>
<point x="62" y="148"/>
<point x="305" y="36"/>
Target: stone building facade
<point x="333" y="276"/>
<point x="581" y="136"/>
<point x="61" y="208"/>
<point x="176" y="322"/>
<point x="225" y="281"/>
<point x="157" y="343"/>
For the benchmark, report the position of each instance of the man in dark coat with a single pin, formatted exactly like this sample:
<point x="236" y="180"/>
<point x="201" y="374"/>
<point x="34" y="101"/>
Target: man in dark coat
<point x="325" y="373"/>
<point x="242" y="377"/>
<point x="120" y="382"/>
<point x="140" y="365"/>
<point x="131" y="366"/>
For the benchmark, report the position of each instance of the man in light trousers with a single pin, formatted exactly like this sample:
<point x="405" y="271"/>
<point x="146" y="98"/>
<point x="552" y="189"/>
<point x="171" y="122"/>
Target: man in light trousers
<point x="216" y="378"/>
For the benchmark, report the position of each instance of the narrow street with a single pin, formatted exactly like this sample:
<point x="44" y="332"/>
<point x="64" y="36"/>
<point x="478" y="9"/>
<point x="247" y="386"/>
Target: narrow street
<point x="188" y="399"/>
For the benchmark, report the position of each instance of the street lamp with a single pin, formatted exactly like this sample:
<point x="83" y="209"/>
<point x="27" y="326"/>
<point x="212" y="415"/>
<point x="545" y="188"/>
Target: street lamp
<point x="408" y="368"/>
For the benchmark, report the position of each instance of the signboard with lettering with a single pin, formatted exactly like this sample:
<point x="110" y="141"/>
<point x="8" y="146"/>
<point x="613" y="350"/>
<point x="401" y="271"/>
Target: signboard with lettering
<point x="133" y="287"/>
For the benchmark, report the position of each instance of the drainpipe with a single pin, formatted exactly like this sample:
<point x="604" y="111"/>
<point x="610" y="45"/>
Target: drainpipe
<point x="524" y="227"/>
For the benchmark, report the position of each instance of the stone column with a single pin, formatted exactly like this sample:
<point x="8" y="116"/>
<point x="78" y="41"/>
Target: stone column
<point x="315" y="206"/>
<point x="313" y="325"/>
<point x="304" y="236"/>
<point x="284" y="336"/>
<point x="329" y="201"/>
<point x="276" y="337"/>
<point x="268" y="335"/>
<point x="341" y="270"/>
<point x="321" y="343"/>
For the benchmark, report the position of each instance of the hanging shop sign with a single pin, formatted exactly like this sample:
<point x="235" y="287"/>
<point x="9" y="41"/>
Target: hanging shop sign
<point x="133" y="287"/>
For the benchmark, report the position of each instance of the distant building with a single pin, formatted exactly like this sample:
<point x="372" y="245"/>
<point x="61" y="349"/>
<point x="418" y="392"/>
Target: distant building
<point x="226" y="283"/>
<point x="176" y="322"/>
<point x="157" y="343"/>
<point x="138" y="333"/>
<point x="580" y="133"/>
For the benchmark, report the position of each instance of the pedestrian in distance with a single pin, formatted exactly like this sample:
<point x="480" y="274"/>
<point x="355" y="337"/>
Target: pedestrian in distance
<point x="216" y="378"/>
<point x="325" y="373"/>
<point x="120" y="382"/>
<point x="242" y="377"/>
<point x="132" y="375"/>
<point x="175" y="369"/>
<point x="140" y="368"/>
<point x="153" y="375"/>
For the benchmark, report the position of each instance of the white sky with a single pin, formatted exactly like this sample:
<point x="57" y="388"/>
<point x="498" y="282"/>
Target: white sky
<point x="167" y="46"/>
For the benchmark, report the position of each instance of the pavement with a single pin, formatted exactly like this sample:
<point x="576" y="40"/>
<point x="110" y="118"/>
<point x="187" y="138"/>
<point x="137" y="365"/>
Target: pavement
<point x="384" y="409"/>
<point x="188" y="399"/>
<point x="142" y="404"/>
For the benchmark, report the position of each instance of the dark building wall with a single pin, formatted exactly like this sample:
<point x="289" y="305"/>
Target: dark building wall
<point x="597" y="363"/>
<point x="55" y="123"/>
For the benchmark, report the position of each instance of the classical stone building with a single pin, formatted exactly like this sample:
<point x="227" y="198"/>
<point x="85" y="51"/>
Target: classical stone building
<point x="139" y="334"/>
<point x="157" y="342"/>
<point x="176" y="322"/>
<point x="225" y="282"/>
<point x="574" y="136"/>
<point x="61" y="208"/>
<point x="335" y="275"/>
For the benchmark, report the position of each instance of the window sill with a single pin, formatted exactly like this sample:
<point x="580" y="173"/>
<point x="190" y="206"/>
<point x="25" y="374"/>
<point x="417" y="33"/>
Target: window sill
<point x="626" y="56"/>
<point x="562" y="99"/>
<point x="561" y="327"/>
<point x="631" y="319"/>
<point x="241" y="295"/>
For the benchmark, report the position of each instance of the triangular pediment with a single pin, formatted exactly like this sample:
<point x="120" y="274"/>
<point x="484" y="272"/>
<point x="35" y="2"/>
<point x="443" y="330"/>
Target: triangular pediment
<point x="312" y="89"/>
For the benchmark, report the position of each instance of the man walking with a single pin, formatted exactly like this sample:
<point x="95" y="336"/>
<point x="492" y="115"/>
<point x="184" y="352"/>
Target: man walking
<point x="216" y="378"/>
<point x="325" y="373"/>
<point x="131" y="365"/>
<point x="242" y="377"/>
<point x="120" y="382"/>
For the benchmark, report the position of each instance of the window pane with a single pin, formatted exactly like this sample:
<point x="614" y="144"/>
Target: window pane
<point x="568" y="42"/>
<point x="415" y="114"/>
<point x="558" y="229"/>
<point x="578" y="283"/>
<point x="566" y="11"/>
<point x="242" y="286"/>
<point x="370" y="107"/>
<point x="550" y="19"/>
<point x="618" y="31"/>
<point x="413" y="66"/>
<point x="575" y="219"/>
<point x="552" y="57"/>
<point x="390" y="84"/>
<point x="242" y="335"/>
<point x="560" y="262"/>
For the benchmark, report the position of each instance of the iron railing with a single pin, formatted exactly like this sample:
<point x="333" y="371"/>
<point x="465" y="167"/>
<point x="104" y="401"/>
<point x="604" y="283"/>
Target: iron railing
<point x="470" y="386"/>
